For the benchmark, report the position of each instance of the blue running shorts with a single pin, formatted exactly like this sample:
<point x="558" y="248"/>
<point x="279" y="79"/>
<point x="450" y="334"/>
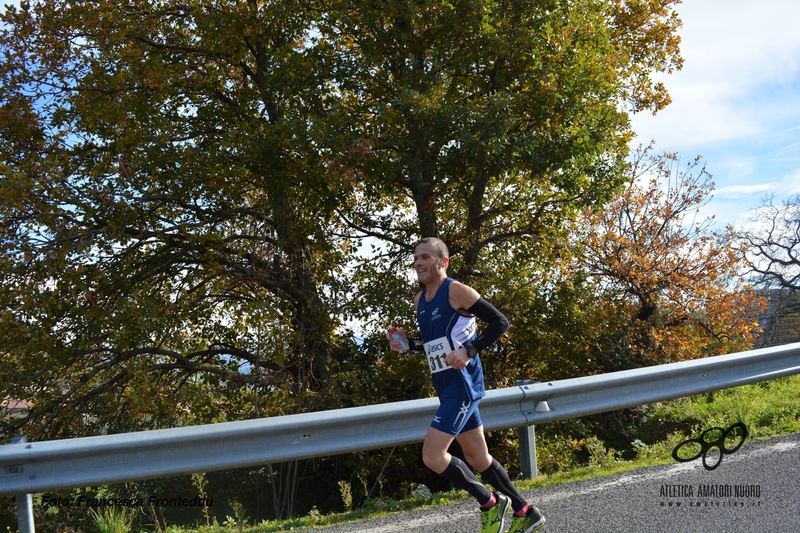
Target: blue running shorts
<point x="456" y="416"/>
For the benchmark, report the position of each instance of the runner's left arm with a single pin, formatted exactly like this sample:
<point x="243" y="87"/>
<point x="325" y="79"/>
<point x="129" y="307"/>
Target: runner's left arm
<point x="496" y="324"/>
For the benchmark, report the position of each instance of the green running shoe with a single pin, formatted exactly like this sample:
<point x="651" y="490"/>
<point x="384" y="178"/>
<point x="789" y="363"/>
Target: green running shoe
<point x="493" y="518"/>
<point x="528" y="523"/>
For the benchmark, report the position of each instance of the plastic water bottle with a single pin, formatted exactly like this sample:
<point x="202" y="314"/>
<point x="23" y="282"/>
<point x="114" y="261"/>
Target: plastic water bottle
<point x="398" y="338"/>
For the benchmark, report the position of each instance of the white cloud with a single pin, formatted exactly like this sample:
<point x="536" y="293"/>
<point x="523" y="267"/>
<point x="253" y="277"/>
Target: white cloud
<point x="743" y="191"/>
<point x="742" y="42"/>
<point x="786" y="149"/>
<point x="741" y="59"/>
<point x="736" y="102"/>
<point x="791" y="185"/>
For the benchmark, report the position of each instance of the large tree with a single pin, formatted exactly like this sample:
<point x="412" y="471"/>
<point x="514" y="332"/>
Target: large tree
<point x="487" y="124"/>
<point x="165" y="215"/>
<point x="183" y="183"/>
<point x="490" y="122"/>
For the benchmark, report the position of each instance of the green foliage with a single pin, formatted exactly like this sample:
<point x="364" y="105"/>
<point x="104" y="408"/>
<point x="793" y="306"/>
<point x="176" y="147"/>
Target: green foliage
<point x="767" y="409"/>
<point x="163" y="220"/>
<point x="346" y="491"/>
<point x="422" y="494"/>
<point x="599" y="456"/>
<point x="200" y="482"/>
<point x="112" y="519"/>
<point x="557" y="453"/>
<point x="239" y="520"/>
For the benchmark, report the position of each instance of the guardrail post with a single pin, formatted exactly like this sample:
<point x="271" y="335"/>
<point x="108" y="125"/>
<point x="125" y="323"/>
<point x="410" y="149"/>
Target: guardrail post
<point x="527" y="444"/>
<point x="527" y="452"/>
<point x="24" y="502"/>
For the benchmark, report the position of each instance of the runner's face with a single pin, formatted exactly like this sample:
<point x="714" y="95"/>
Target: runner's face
<point x="428" y="265"/>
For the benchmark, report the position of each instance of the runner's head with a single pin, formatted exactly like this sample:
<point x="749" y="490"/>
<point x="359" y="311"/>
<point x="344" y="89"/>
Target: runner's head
<point x="438" y="245"/>
<point x="431" y="258"/>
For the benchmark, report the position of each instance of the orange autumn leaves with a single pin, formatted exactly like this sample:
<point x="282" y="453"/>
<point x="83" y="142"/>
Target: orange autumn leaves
<point x="672" y="284"/>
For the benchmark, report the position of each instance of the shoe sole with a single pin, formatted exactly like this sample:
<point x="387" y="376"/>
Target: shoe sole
<point x="538" y="525"/>
<point x="535" y="527"/>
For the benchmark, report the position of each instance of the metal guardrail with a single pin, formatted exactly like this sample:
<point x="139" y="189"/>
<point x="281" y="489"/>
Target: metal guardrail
<point x="27" y="467"/>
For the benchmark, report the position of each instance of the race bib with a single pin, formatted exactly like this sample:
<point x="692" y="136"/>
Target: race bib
<point x="436" y="350"/>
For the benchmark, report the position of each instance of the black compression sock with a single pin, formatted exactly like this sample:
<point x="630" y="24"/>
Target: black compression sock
<point x="498" y="478"/>
<point x="459" y="474"/>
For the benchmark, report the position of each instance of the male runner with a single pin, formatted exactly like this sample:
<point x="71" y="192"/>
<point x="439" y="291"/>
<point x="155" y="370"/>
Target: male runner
<point x="446" y="311"/>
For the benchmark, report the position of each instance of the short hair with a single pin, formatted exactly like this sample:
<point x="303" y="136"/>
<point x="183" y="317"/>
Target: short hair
<point x="438" y="245"/>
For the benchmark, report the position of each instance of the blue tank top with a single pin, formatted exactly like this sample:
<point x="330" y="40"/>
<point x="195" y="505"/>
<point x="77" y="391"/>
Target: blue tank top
<point x="443" y="330"/>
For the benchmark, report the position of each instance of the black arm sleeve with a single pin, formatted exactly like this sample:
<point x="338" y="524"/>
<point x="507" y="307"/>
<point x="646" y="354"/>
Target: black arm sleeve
<point x="496" y="324"/>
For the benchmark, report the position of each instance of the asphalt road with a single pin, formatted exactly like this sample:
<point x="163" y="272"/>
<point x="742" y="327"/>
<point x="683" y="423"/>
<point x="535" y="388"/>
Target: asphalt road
<point x="755" y="489"/>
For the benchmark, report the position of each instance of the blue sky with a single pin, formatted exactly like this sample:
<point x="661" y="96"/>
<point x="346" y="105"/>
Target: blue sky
<point x="736" y="102"/>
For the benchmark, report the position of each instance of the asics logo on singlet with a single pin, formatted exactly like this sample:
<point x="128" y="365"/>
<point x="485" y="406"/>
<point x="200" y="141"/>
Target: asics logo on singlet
<point x="436" y="347"/>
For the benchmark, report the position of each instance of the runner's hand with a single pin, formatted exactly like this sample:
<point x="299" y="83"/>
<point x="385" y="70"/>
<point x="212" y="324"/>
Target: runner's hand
<point x="396" y="345"/>
<point x="457" y="359"/>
